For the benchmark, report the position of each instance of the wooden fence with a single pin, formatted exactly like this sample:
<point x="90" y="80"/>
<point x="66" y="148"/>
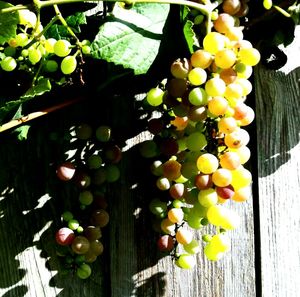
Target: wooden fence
<point x="265" y="256"/>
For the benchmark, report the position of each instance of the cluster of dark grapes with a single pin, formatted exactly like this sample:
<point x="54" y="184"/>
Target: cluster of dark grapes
<point x="199" y="146"/>
<point x="39" y="56"/>
<point x="79" y="238"/>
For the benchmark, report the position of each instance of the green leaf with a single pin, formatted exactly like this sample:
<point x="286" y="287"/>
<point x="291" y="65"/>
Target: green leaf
<point x="43" y="85"/>
<point x="22" y="132"/>
<point x="8" y="23"/>
<point x="190" y="36"/>
<point x="131" y="37"/>
<point x="60" y="32"/>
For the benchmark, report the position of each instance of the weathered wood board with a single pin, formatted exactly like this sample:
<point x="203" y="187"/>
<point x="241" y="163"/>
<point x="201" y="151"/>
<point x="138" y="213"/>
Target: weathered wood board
<point x="278" y="122"/>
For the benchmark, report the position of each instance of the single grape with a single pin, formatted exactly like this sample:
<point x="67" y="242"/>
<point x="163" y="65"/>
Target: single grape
<point x="198" y="96"/>
<point x="27" y="18"/>
<point x="197" y="76"/>
<point x="222" y="177"/>
<point x="196" y="141"/>
<point x="80" y="245"/>
<point x="167" y="226"/>
<point x="103" y="133"/>
<point x="186" y="261"/>
<point x="184" y="236"/>
<point x="231" y="6"/>
<point x="225" y="192"/>
<point x="163" y="183"/>
<point x="96" y="247"/>
<point x="84" y="271"/>
<point x="214" y="42"/>
<point x="203" y="181"/>
<point x="84" y="131"/>
<point x="193" y="247"/>
<point x="92" y="233"/>
<point x="215" y="87"/>
<point x="241" y="177"/>
<point x="201" y="58"/>
<point x="218" y="105"/>
<point x="22" y="39"/>
<point x="64" y="236"/>
<point x="242" y="194"/>
<point x="180" y="68"/>
<point x="8" y="64"/>
<point x="165" y="243"/>
<point x="207" y="163"/>
<point x="65" y="171"/>
<point x="49" y="45"/>
<point x="73" y="224"/>
<point x="100" y="218"/>
<point x="225" y="58"/>
<point x="86" y="197"/>
<point x="62" y="48"/>
<point x="208" y="197"/>
<point x="67" y="216"/>
<point x="112" y="173"/>
<point x="249" y="56"/>
<point x="177" y="191"/>
<point x="267" y="4"/>
<point x="68" y="65"/>
<point x="51" y="66"/>
<point x="155" y="97"/>
<point x="197" y="113"/>
<point x="34" y="55"/>
<point x="175" y="215"/>
<point x="230" y="160"/>
<point x="223" y="23"/>
<point x="227" y="125"/>
<point x="158" y="208"/>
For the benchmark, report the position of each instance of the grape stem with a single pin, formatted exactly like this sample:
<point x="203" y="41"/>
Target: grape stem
<point x="206" y="9"/>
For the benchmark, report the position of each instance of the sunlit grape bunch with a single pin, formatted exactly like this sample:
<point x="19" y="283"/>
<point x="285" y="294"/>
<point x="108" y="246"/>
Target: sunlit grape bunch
<point x="32" y="52"/>
<point x="199" y="147"/>
<point x="79" y="237"/>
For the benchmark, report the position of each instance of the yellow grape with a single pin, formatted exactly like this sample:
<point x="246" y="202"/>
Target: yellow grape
<point x="242" y="194"/>
<point x="233" y="92"/>
<point x="237" y="138"/>
<point x="175" y="215"/>
<point x="208" y="197"/>
<point x="220" y="242"/>
<point x="243" y="152"/>
<point x="222" y="177"/>
<point x="201" y="58"/>
<point x="245" y="84"/>
<point x="167" y="226"/>
<point x="230" y="160"/>
<point x="225" y="58"/>
<point x="211" y="253"/>
<point x="241" y="177"/>
<point x="171" y="169"/>
<point x="267" y="4"/>
<point x="234" y="34"/>
<point x="218" y="106"/>
<point x="249" y="56"/>
<point x="197" y="76"/>
<point x="214" y="42"/>
<point x="207" y="163"/>
<point x="184" y="236"/>
<point x="227" y="125"/>
<point x="215" y="87"/>
<point x="243" y="70"/>
<point x="248" y="118"/>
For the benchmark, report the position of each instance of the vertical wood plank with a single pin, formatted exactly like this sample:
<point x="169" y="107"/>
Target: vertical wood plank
<point x="278" y="122"/>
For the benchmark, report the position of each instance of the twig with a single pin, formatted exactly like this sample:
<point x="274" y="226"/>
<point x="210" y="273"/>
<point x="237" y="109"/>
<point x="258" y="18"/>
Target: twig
<point x="37" y="114"/>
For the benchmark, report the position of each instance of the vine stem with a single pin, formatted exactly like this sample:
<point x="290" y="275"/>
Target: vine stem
<point x="206" y="9"/>
<point x="37" y="114"/>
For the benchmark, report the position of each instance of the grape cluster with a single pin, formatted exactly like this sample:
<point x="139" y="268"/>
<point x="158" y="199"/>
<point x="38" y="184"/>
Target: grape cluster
<point x="32" y="52"/>
<point x="79" y="238"/>
<point x="199" y="147"/>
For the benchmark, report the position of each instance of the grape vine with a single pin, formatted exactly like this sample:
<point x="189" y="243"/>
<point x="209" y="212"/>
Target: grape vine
<point x="199" y="113"/>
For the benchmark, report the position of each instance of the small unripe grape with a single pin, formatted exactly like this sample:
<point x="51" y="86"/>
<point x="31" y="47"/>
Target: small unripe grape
<point x="51" y="66"/>
<point x="80" y="245"/>
<point x="84" y="131"/>
<point x="68" y="65"/>
<point x="84" y="271"/>
<point x="8" y="64"/>
<point x="62" y="48"/>
<point x="103" y="133"/>
<point x="186" y="261"/>
<point x="86" y="197"/>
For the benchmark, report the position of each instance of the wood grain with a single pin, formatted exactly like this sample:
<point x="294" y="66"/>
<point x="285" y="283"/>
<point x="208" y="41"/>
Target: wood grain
<point x="278" y="122"/>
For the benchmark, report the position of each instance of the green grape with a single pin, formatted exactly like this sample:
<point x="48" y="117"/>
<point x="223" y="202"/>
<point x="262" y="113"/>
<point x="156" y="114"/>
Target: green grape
<point x="51" y="66"/>
<point x="207" y="163"/>
<point x="27" y="18"/>
<point x="167" y="226"/>
<point x="194" y="220"/>
<point x="196" y="141"/>
<point x="21" y="39"/>
<point x="62" y="48"/>
<point x="96" y="247"/>
<point x="100" y="217"/>
<point x="103" y="133"/>
<point x="9" y="51"/>
<point x="186" y="261"/>
<point x="211" y="253"/>
<point x="198" y="96"/>
<point x="86" y="49"/>
<point x="84" y="131"/>
<point x="34" y="55"/>
<point x="99" y="176"/>
<point x="49" y="45"/>
<point x="220" y="242"/>
<point x="92" y="233"/>
<point x="73" y="224"/>
<point x="94" y="162"/>
<point x="177" y="203"/>
<point x="68" y="65"/>
<point x="215" y="87"/>
<point x="25" y="53"/>
<point x="189" y="169"/>
<point x="197" y="76"/>
<point x="193" y="247"/>
<point x="158" y="208"/>
<point x="84" y="271"/>
<point x="208" y="197"/>
<point x="8" y="64"/>
<point x="112" y="173"/>
<point x="225" y="58"/>
<point x="206" y="237"/>
<point x="155" y="97"/>
<point x="214" y="42"/>
<point x="156" y="168"/>
<point x="86" y="197"/>
<point x="267" y="4"/>
<point x="163" y="183"/>
<point x="67" y="216"/>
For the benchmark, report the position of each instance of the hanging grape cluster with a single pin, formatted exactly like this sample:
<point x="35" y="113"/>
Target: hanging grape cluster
<point x="79" y="237"/>
<point x="200" y="143"/>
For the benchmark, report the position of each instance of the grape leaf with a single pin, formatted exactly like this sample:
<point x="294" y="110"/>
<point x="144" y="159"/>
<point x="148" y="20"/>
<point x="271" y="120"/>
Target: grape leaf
<point x="190" y="36"/>
<point x="131" y="37"/>
<point x="8" y="23"/>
